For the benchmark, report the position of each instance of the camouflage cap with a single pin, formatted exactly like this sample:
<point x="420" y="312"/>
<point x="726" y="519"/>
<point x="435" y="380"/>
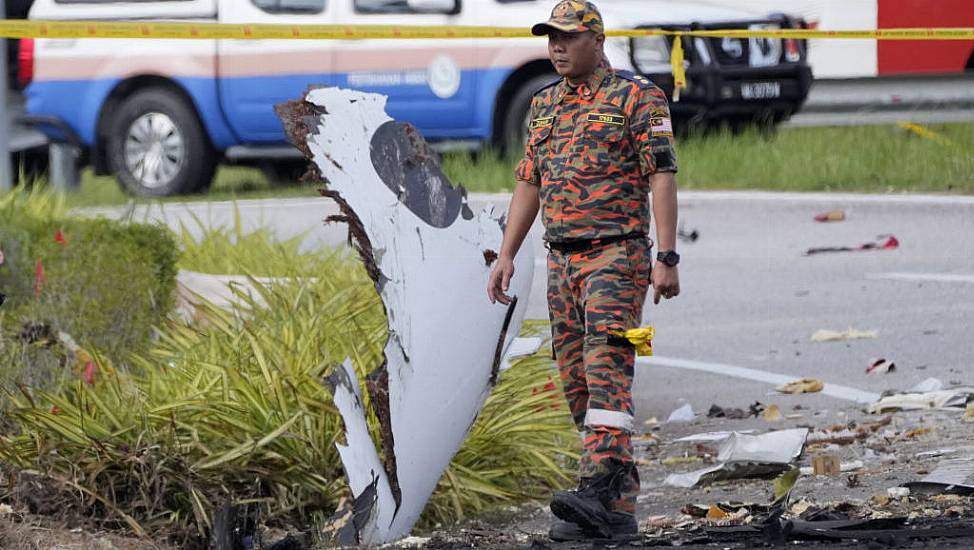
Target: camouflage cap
<point x="571" y="16"/>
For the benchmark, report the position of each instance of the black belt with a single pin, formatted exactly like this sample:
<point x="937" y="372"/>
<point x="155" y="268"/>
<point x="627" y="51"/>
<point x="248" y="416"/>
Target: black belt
<point x="581" y="245"/>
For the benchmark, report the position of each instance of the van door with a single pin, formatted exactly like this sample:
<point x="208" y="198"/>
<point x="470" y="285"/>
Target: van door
<point x="257" y="74"/>
<point x="430" y="83"/>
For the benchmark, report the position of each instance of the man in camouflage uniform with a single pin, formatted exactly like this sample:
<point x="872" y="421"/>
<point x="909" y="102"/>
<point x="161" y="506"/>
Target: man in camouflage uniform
<point x="600" y="140"/>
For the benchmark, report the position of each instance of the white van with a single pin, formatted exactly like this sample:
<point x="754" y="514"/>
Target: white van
<point x="160" y="114"/>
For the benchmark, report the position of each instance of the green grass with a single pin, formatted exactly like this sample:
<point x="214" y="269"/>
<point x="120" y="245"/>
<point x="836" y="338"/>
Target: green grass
<point x="853" y="158"/>
<point x="856" y="159"/>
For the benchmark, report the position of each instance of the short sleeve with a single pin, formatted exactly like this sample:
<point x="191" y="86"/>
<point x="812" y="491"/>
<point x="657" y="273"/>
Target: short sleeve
<point x="527" y="168"/>
<point x="652" y="130"/>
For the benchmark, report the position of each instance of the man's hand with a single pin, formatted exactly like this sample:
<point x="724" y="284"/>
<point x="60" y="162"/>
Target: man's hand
<point x="500" y="280"/>
<point x="666" y="282"/>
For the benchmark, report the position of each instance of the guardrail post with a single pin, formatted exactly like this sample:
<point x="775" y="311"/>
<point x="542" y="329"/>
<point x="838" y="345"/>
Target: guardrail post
<point x="63" y="167"/>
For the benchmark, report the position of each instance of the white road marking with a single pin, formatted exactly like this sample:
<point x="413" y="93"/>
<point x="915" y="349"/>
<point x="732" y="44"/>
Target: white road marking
<point x="934" y="277"/>
<point x="832" y="390"/>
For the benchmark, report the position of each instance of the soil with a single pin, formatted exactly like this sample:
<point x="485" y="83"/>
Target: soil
<point x="893" y="449"/>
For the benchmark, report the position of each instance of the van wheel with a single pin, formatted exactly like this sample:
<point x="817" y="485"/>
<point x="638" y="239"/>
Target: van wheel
<point x="515" y="129"/>
<point x="157" y="147"/>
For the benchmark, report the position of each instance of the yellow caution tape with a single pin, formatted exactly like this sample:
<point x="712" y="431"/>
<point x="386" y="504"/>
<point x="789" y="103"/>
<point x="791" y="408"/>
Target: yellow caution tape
<point x="126" y="29"/>
<point x="169" y="30"/>
<point x="641" y="338"/>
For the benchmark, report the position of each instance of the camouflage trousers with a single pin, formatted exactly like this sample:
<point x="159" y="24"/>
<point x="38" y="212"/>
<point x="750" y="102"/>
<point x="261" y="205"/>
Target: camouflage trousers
<point x="591" y="295"/>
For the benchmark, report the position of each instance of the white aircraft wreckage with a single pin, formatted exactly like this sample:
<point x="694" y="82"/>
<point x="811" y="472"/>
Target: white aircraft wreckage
<point x="429" y="256"/>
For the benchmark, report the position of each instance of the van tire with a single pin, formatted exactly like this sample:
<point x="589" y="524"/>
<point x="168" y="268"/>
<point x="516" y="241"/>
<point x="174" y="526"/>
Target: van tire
<point x="515" y="129"/>
<point x="195" y="162"/>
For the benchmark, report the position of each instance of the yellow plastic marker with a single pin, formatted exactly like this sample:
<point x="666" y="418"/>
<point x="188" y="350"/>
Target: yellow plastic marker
<point x="925" y="133"/>
<point x="679" y="75"/>
<point x="642" y="338"/>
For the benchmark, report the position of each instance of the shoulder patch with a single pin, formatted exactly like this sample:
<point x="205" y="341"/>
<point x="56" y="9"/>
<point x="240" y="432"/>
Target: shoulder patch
<point x="641" y="80"/>
<point x="546" y="86"/>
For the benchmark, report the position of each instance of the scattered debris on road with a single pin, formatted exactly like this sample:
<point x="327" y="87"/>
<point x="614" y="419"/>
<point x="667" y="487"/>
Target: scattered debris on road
<point x="831" y="216"/>
<point x="687" y="236"/>
<point x="950" y="399"/>
<point x="882" y="242"/>
<point x="826" y="335"/>
<point x="748" y="456"/>
<point x="683" y="413"/>
<point x="880" y="366"/>
<point x="804" y="385"/>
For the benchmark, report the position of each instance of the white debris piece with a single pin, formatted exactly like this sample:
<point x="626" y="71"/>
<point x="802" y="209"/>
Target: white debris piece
<point x="743" y="456"/>
<point x="952" y="399"/>
<point x="826" y="335"/>
<point x="521" y="347"/>
<point x="710" y="436"/>
<point x="430" y="258"/>
<point x="682" y="414"/>
<point x="928" y="385"/>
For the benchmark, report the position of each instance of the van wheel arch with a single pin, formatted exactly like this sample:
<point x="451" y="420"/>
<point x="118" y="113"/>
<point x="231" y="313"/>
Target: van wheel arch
<point x="520" y="84"/>
<point x="118" y="95"/>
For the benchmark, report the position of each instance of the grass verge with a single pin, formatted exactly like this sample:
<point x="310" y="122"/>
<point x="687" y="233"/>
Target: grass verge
<point x="875" y="159"/>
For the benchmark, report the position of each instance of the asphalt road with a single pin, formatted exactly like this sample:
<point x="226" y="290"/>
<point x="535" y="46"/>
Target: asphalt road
<point x="751" y="300"/>
<point x="887" y="100"/>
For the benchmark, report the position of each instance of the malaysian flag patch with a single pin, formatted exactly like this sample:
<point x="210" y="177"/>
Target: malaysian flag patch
<point x="661" y="126"/>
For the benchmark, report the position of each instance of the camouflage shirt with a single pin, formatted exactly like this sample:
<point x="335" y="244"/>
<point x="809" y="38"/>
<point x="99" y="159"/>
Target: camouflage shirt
<point x="592" y="149"/>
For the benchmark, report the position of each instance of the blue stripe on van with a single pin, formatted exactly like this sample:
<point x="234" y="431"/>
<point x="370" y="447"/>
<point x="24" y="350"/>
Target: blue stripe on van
<point x="466" y="115"/>
<point x="79" y="102"/>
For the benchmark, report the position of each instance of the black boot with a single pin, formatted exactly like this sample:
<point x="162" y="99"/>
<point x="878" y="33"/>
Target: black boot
<point x="589" y="508"/>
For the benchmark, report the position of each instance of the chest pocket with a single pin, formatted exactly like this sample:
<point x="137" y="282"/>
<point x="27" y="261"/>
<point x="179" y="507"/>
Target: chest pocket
<point x="605" y="126"/>
<point x="540" y="131"/>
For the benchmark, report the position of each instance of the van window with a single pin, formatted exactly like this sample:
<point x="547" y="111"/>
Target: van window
<point x="382" y="6"/>
<point x="291" y="6"/>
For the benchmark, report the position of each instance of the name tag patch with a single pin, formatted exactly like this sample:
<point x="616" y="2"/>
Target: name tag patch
<point x="606" y="118"/>
<point x="661" y="126"/>
<point x="542" y="122"/>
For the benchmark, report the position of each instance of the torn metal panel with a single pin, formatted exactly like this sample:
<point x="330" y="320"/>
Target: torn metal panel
<point x="748" y="456"/>
<point x="955" y="476"/>
<point x="428" y="255"/>
<point x="952" y="399"/>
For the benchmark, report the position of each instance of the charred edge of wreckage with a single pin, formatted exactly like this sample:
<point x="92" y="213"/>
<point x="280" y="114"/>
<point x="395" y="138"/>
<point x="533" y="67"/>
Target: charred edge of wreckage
<point x="377" y="384"/>
<point x="300" y="117"/>
<point x="490" y="257"/>
<point x="495" y="367"/>
<point x="357" y="236"/>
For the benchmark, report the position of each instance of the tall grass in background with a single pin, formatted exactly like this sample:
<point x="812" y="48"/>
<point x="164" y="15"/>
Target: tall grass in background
<point x="882" y="158"/>
<point x="849" y="158"/>
<point x="233" y="406"/>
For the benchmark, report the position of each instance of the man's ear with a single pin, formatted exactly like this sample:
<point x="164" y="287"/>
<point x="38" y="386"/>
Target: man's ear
<point x="600" y="39"/>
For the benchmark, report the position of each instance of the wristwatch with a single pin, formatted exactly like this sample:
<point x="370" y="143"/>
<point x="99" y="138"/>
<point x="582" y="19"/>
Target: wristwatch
<point x="668" y="257"/>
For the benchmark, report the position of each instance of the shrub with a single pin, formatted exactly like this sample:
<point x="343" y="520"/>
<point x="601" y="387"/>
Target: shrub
<point x="235" y="407"/>
<point x="104" y="283"/>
